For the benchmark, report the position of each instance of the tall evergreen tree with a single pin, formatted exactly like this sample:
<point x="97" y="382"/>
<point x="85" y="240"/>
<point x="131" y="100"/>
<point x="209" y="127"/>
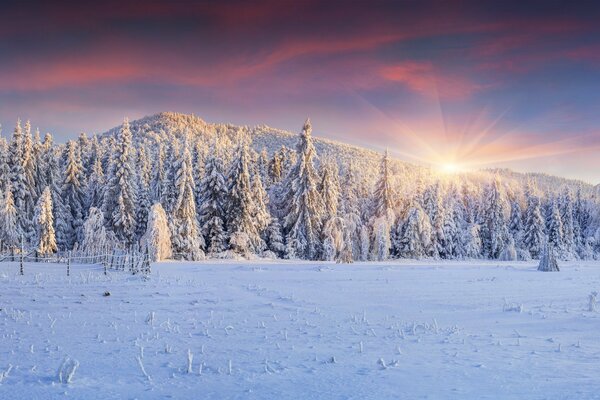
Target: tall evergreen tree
<point x="10" y="230"/>
<point x="44" y="218"/>
<point x="73" y="194"/>
<point x="383" y="202"/>
<point x="243" y="231"/>
<point x="185" y="235"/>
<point x="534" y="237"/>
<point x="495" y="230"/>
<point x="303" y="203"/>
<point x="119" y="198"/>
<point x="213" y="196"/>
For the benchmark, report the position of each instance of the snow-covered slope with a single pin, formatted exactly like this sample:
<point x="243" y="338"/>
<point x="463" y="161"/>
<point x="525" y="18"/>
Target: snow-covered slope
<point x="290" y="330"/>
<point x="168" y="126"/>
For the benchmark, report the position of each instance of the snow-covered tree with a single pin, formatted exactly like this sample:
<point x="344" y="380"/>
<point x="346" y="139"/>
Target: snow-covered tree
<point x="185" y="235"/>
<point x="568" y="250"/>
<point x="555" y="228"/>
<point x="414" y="236"/>
<point x="242" y="210"/>
<point x="533" y="238"/>
<point x="303" y="203"/>
<point x="97" y="239"/>
<point x="10" y="230"/>
<point x="330" y="187"/>
<point x="213" y="196"/>
<point x="73" y="194"/>
<point x="158" y="236"/>
<point x="44" y="218"/>
<point x="516" y="222"/>
<point x="495" y="230"/>
<point x="383" y="202"/>
<point x="119" y="205"/>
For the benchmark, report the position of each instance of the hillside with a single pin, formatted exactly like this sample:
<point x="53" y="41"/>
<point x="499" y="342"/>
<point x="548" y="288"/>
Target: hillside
<point x="169" y="126"/>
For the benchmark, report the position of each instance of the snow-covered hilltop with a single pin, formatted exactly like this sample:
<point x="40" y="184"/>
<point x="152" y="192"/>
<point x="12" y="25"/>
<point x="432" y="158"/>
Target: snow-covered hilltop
<point x="188" y="189"/>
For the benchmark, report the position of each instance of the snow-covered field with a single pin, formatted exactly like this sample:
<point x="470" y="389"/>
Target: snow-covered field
<point x="302" y="331"/>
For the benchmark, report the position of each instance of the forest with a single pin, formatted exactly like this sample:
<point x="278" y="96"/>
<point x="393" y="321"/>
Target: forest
<point x="194" y="196"/>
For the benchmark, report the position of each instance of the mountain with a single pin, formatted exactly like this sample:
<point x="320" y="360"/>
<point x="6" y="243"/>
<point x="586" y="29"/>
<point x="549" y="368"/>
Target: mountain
<point x="168" y="126"/>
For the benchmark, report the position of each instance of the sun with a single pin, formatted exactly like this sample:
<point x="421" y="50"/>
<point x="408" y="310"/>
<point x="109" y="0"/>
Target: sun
<point x="451" y="168"/>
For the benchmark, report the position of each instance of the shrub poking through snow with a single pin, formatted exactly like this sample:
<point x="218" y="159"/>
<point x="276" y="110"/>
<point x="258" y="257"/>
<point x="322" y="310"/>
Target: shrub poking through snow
<point x="67" y="369"/>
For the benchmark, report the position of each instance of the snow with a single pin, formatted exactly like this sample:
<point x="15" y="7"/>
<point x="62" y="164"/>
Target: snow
<point x="289" y="330"/>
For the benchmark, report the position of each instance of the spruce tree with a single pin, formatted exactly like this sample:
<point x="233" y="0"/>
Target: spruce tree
<point x="383" y="202"/>
<point x="73" y="193"/>
<point x="185" y="235"/>
<point x="533" y="238"/>
<point x="495" y="230"/>
<point x="213" y="195"/>
<point x="243" y="232"/>
<point x="10" y="230"/>
<point x="303" y="203"/>
<point x="119" y="205"/>
<point x="44" y="218"/>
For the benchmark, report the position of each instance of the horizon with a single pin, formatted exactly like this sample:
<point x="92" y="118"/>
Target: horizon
<point x="470" y="85"/>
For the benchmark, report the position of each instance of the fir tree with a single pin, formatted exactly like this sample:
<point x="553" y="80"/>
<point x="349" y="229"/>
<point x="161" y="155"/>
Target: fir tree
<point x="241" y="208"/>
<point x="72" y="194"/>
<point x="157" y="237"/>
<point x="495" y="230"/>
<point x="303" y="202"/>
<point x="533" y="237"/>
<point x="185" y="235"/>
<point x="213" y="197"/>
<point x="10" y="230"/>
<point x="96" y="239"/>
<point x="383" y="202"/>
<point x="44" y="218"/>
<point x="119" y="198"/>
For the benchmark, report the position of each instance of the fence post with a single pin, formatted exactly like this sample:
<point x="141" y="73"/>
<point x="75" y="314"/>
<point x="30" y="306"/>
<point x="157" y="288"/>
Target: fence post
<point x="132" y="261"/>
<point x="69" y="264"/>
<point x="21" y="271"/>
<point x="105" y="272"/>
<point x="148" y="268"/>
<point x="112" y="258"/>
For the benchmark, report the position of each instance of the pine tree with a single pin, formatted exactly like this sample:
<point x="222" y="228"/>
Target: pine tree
<point x="330" y="188"/>
<point x="533" y="237"/>
<point x="276" y="168"/>
<point x="96" y="185"/>
<point x="159" y="177"/>
<point x="185" y="235"/>
<point x="21" y="195"/>
<point x="143" y="191"/>
<point x="119" y="198"/>
<point x="244" y="234"/>
<point x="157" y="237"/>
<point x="4" y="165"/>
<point x="383" y="202"/>
<point x="414" y="236"/>
<point x="555" y="228"/>
<point x="495" y="230"/>
<point x="303" y="203"/>
<point x="260" y="212"/>
<point x="95" y="238"/>
<point x="568" y="250"/>
<point x="213" y="197"/>
<point x="275" y="238"/>
<point x="44" y="218"/>
<point x="434" y="208"/>
<point x="73" y="193"/>
<point x="516" y="223"/>
<point x="10" y="230"/>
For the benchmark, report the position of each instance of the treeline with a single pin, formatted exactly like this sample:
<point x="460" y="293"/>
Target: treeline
<point x="192" y="198"/>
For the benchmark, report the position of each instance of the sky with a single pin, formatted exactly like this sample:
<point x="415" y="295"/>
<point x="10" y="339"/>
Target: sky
<point x="475" y="84"/>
